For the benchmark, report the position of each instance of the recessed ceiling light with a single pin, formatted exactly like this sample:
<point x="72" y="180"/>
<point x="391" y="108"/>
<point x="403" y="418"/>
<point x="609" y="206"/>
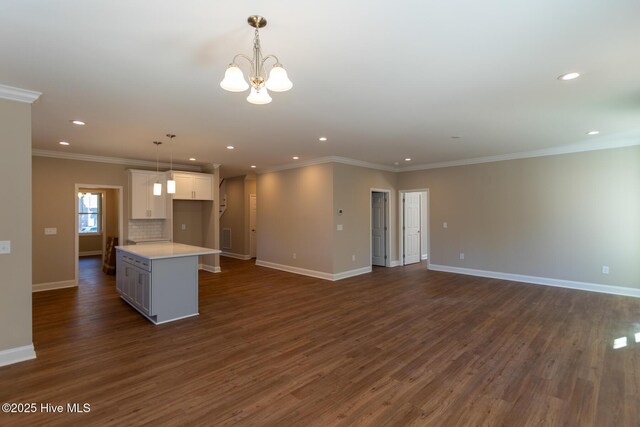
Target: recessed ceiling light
<point x="230" y="147"/>
<point x="322" y="138"/>
<point x="295" y="157"/>
<point x="193" y="159"/>
<point x="408" y="159"/>
<point x="64" y="143"/>
<point x="569" y="76"/>
<point x="456" y="137"/>
<point x="253" y="166"/>
<point x="78" y="122"/>
<point x="593" y="132"/>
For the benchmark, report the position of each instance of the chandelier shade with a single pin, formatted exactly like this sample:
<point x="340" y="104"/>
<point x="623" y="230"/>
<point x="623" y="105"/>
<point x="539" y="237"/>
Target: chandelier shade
<point x="259" y="96"/>
<point x="234" y="80"/>
<point x="277" y="81"/>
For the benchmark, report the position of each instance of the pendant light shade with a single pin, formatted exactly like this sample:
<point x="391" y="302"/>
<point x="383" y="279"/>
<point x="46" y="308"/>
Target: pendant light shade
<point x="171" y="186"/>
<point x="278" y="79"/>
<point x="234" y="80"/>
<point x="171" y="183"/>
<point x="259" y="97"/>
<point x="157" y="189"/>
<point x="157" y="186"/>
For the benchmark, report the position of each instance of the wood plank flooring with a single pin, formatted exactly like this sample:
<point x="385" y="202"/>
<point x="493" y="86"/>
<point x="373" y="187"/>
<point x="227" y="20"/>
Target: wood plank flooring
<point x="400" y="346"/>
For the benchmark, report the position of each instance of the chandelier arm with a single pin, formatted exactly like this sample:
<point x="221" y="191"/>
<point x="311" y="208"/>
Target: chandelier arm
<point x="270" y="56"/>
<point x="242" y="55"/>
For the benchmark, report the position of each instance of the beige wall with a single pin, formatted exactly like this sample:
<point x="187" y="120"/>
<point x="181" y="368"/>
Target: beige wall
<point x="234" y="217"/>
<point x="15" y="224"/>
<point x="560" y="217"/>
<point x="211" y="224"/>
<point x="189" y="213"/>
<point x="352" y="193"/>
<point x="54" y="199"/>
<point x="295" y="215"/>
<point x="89" y="243"/>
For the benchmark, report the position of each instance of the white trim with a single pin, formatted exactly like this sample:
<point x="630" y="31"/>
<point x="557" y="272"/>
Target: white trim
<point x="296" y="270"/>
<point x="209" y="268"/>
<point x="21" y="95"/>
<point x="423" y="257"/>
<point x="17" y="354"/>
<point x="546" y="281"/>
<point x="330" y="159"/>
<point x="314" y="273"/>
<point x="395" y="263"/>
<point x="351" y="273"/>
<point x="603" y="144"/>
<point x="113" y="160"/>
<point x="39" y="287"/>
<point x="236" y="256"/>
<point x="172" y="320"/>
<point x="90" y="253"/>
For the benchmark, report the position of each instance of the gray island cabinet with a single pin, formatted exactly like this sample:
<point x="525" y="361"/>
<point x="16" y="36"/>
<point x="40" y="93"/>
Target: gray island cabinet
<point x="160" y="280"/>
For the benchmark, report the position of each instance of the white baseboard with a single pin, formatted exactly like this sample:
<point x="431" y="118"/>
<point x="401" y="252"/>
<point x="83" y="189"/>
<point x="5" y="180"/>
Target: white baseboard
<point x="17" y="354"/>
<point x="395" y="263"/>
<point x="209" y="268"/>
<point x="90" y="253"/>
<point x="236" y="256"/>
<point x="351" y="273"/>
<point x="547" y="281"/>
<point x="39" y="287"/>
<point x="424" y="256"/>
<point x="314" y="273"/>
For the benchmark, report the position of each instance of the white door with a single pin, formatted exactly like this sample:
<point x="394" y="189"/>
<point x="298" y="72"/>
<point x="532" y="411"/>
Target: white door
<point x="378" y="225"/>
<point x="411" y="228"/>
<point x="252" y="225"/>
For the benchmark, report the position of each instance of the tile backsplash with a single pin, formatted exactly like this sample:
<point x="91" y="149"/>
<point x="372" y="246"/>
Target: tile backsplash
<point x="145" y="228"/>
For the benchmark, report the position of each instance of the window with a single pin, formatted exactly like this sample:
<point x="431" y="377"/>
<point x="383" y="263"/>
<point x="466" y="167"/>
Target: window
<point x="89" y="213"/>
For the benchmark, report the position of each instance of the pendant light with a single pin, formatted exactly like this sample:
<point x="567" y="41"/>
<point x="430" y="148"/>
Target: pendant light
<point x="157" y="186"/>
<point x="171" y="183"/>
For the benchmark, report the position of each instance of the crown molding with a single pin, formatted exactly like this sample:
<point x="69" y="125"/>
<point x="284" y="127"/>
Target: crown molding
<point x="112" y="160"/>
<point x="17" y="94"/>
<point x="329" y="159"/>
<point x="565" y="149"/>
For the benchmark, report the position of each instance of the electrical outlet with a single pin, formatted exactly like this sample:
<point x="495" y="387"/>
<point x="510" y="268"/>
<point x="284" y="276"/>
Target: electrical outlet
<point x="444" y="225"/>
<point x="184" y="226"/>
<point x="353" y="257"/>
<point x="461" y="255"/>
<point x="339" y="227"/>
<point x="294" y="255"/>
<point x="605" y="269"/>
<point x="5" y="247"/>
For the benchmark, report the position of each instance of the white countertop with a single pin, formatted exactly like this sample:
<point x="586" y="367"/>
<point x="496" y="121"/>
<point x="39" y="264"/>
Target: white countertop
<point x="166" y="250"/>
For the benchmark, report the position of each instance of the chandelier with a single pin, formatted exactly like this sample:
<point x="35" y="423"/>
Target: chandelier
<point x="234" y="79"/>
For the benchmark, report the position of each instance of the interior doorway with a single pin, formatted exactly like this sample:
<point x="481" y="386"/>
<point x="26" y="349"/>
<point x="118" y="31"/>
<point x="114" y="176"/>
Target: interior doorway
<point x="379" y="237"/>
<point x="414" y="226"/>
<point x="252" y="225"/>
<point x="98" y="216"/>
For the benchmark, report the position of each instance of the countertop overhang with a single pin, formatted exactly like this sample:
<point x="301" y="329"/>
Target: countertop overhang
<point x="166" y="250"/>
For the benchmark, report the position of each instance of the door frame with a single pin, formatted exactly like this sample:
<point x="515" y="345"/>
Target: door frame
<point x="387" y="235"/>
<point x="401" y="222"/>
<point x="120" y="196"/>
<point x="253" y="251"/>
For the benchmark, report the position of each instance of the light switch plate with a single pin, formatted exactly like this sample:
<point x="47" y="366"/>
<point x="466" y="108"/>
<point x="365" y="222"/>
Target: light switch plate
<point x="444" y="225"/>
<point x="5" y="246"/>
<point x="339" y="227"/>
<point x="49" y="231"/>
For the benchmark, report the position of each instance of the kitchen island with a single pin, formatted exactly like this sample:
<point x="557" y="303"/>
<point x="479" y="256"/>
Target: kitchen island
<point x="160" y="280"/>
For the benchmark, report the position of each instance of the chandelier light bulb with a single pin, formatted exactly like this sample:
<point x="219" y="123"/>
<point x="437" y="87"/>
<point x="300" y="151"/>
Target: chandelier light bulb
<point x="278" y="79"/>
<point x="259" y="97"/>
<point x="234" y="80"/>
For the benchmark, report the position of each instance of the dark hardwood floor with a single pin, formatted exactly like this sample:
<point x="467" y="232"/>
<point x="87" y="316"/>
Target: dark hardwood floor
<point x="400" y="346"/>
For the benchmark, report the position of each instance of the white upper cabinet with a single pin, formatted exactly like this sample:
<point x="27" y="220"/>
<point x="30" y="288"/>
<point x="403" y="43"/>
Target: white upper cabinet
<point x="144" y="205"/>
<point x="193" y="186"/>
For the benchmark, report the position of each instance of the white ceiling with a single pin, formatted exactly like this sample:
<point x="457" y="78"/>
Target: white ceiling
<point x="382" y="79"/>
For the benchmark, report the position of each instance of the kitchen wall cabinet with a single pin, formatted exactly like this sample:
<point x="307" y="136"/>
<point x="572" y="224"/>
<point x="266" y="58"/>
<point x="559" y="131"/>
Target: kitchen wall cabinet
<point x="144" y="205"/>
<point x="193" y="186"/>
